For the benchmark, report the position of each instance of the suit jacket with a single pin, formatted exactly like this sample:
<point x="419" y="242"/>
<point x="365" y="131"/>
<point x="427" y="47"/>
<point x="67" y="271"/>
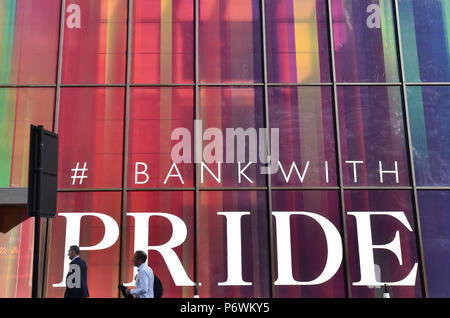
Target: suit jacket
<point x="83" y="291"/>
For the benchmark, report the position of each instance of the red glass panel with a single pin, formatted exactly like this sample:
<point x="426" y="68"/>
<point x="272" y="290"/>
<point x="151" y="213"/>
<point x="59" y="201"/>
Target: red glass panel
<point x="103" y="264"/>
<point x="180" y="205"/>
<point x="91" y="131"/>
<point x="163" y="41"/>
<point x="94" y="50"/>
<point x="155" y="114"/>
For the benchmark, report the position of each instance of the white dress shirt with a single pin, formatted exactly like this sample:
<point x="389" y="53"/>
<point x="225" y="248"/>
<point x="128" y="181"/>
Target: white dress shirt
<point x="144" y="282"/>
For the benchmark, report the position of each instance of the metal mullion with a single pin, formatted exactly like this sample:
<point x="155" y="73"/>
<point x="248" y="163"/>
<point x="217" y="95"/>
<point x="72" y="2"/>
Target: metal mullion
<point x="126" y="135"/>
<point x="196" y="117"/>
<point x="370" y="84"/>
<point x="268" y="176"/>
<point x="300" y="84"/>
<point x="418" y="232"/>
<point x="89" y="189"/>
<point x="92" y="85"/>
<point x="338" y="151"/>
<point x="428" y="84"/>
<point x="432" y="188"/>
<point x="28" y="85"/>
<point x="48" y="222"/>
<point x="368" y="188"/>
<point x="230" y="84"/>
<point x="163" y="85"/>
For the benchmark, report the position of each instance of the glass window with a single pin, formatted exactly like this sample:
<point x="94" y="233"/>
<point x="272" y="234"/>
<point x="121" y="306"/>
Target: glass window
<point x="16" y="252"/>
<point x="372" y="136"/>
<point x="429" y="111"/>
<point x="308" y="242"/>
<point x="435" y="226"/>
<point x="91" y="137"/>
<point x="425" y="30"/>
<point x="173" y="223"/>
<point x="29" y="36"/>
<point x="304" y="117"/>
<point x="384" y="229"/>
<point x="230" y="41"/>
<point x="163" y="41"/>
<point x="19" y="108"/>
<point x="94" y="48"/>
<point x="297" y="41"/>
<point x="155" y="114"/>
<point x="364" y="41"/>
<point x="98" y="238"/>
<point x="249" y="210"/>
<point x="238" y="115"/>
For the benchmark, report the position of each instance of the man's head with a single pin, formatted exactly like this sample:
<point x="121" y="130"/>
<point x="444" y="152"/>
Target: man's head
<point x="140" y="257"/>
<point x="74" y="250"/>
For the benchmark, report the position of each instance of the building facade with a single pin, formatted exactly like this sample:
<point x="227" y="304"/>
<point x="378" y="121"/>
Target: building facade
<point x="350" y="96"/>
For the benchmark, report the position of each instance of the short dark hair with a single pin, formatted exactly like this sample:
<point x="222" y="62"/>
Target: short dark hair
<point x="141" y="255"/>
<point x="75" y="248"/>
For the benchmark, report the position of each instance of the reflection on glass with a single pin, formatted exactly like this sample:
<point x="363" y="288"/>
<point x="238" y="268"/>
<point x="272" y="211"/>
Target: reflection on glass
<point x="91" y="137"/>
<point x="435" y="226"/>
<point x="425" y="30"/>
<point x="231" y="110"/>
<point x="19" y="108"/>
<point x="163" y="41"/>
<point x="304" y="116"/>
<point x="429" y="110"/>
<point x="155" y="114"/>
<point x="364" y="41"/>
<point x="372" y="136"/>
<point x="94" y="48"/>
<point x="230" y="41"/>
<point x="29" y="33"/>
<point x="297" y="41"/>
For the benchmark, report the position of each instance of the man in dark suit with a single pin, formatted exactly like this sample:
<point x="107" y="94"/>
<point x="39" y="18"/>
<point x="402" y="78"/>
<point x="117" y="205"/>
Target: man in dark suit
<point x="76" y="280"/>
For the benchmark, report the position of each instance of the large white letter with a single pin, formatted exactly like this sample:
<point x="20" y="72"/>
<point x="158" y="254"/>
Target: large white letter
<point x="144" y="172"/>
<point x="179" y="234"/>
<point x="73" y="224"/>
<point x="234" y="249"/>
<point x="283" y="231"/>
<point x="366" y="247"/>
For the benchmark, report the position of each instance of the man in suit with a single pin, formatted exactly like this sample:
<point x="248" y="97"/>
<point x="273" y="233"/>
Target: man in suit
<point x="76" y="280"/>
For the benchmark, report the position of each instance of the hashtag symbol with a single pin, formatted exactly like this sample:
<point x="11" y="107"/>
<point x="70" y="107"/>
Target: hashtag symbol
<point x="75" y="176"/>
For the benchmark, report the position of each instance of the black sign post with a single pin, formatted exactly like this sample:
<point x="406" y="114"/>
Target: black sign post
<point x="42" y="187"/>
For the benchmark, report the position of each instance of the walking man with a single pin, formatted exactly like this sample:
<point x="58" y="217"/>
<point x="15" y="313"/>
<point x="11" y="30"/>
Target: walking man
<point x="144" y="279"/>
<point x="76" y="280"/>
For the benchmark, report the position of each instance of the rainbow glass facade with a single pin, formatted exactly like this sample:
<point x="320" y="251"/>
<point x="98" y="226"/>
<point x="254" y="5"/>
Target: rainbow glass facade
<point x="355" y="87"/>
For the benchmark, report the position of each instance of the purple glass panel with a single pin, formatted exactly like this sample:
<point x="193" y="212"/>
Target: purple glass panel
<point x="297" y="41"/>
<point x="232" y="110"/>
<point x="304" y="116"/>
<point x="364" y="41"/>
<point x="308" y="243"/>
<point x="384" y="229"/>
<point x="435" y="225"/>
<point x="372" y="136"/>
